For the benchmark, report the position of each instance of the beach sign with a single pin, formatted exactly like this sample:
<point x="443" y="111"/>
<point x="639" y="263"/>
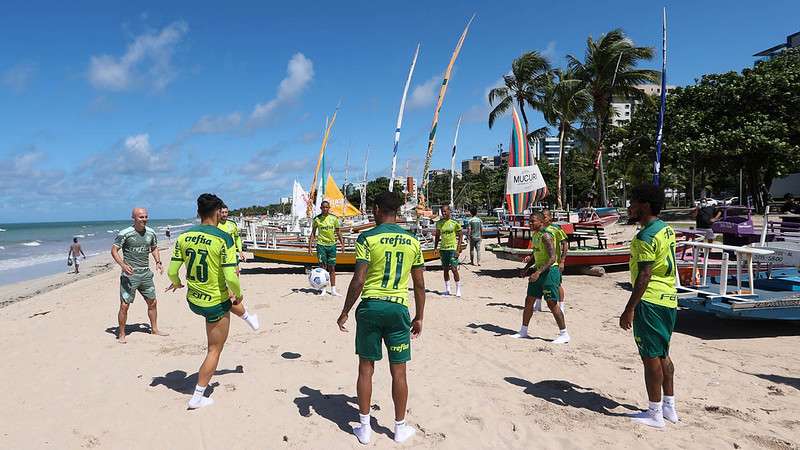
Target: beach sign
<point x="524" y="179"/>
<point x="524" y="182"/>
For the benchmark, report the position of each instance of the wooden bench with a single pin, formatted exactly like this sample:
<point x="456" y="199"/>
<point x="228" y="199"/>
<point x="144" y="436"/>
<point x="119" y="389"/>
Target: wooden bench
<point x="594" y="231"/>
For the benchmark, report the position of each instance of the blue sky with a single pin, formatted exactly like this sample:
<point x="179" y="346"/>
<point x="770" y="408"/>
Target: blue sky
<point x="107" y="105"/>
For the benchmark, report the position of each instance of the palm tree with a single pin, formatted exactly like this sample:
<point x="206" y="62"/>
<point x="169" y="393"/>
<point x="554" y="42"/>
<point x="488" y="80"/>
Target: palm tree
<point x="530" y="75"/>
<point x="567" y="101"/>
<point x="610" y="68"/>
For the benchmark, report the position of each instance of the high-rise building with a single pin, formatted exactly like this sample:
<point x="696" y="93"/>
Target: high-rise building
<point x="477" y="163"/>
<point x="792" y="41"/>
<point x="622" y="107"/>
<point x="547" y="148"/>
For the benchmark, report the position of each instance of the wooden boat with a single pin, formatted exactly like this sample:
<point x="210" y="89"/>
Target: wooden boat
<point x="300" y="256"/>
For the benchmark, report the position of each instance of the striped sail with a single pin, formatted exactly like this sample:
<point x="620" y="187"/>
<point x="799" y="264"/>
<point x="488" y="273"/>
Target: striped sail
<point x="519" y="155"/>
<point x="400" y="119"/>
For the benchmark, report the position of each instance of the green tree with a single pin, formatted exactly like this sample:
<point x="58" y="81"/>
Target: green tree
<point x="566" y="102"/>
<point x="527" y="83"/>
<point x="610" y="67"/>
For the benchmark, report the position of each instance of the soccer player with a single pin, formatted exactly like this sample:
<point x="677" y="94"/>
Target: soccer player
<point x="385" y="258"/>
<point x="230" y="227"/>
<point x="475" y="227"/>
<point x="545" y="280"/>
<point x="210" y="257"/>
<point x="137" y="243"/>
<point x="326" y="230"/>
<point x="562" y="247"/>
<point x="448" y="234"/>
<point x="652" y="306"/>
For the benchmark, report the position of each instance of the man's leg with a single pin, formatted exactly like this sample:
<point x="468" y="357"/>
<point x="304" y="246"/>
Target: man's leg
<point x="332" y="271"/>
<point x="366" y="368"/>
<point x="653" y="380"/>
<point x="478" y="251"/>
<point x="472" y="252"/>
<point x="527" y="313"/>
<point x="217" y="333"/>
<point x="400" y="398"/>
<point x="555" y="309"/>
<point x="668" y="373"/>
<point x="446" y="272"/>
<point x="242" y="312"/>
<point x="152" y="314"/>
<point x="122" y="318"/>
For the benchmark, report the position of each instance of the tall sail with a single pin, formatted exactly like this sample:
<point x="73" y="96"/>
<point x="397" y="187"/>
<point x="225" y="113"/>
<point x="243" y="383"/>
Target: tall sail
<point x="312" y="191"/>
<point x="660" y="131"/>
<point x="442" y="91"/>
<point x="524" y="180"/>
<point x="339" y="205"/>
<point x="453" y="161"/>
<point x="400" y="119"/>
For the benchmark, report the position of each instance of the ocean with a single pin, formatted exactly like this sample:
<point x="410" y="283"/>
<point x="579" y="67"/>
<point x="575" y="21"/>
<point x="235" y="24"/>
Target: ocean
<point x="32" y="250"/>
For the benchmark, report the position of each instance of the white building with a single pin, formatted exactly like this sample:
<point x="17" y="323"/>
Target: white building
<point x="622" y="107"/>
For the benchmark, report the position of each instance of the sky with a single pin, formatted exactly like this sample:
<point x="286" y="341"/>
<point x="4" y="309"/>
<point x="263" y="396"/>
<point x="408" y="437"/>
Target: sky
<point x="110" y="105"/>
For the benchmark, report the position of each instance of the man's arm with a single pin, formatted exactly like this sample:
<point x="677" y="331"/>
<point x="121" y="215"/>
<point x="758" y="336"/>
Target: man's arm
<point x="311" y="238"/>
<point x="418" y="279"/>
<point x="639" y="286"/>
<point x="436" y="234"/>
<point x="118" y="258"/>
<point x="340" y="237"/>
<point x="564" y="250"/>
<point x="547" y="240"/>
<point x="157" y="258"/>
<point x="81" y="249"/>
<point x="353" y="292"/>
<point x="232" y="280"/>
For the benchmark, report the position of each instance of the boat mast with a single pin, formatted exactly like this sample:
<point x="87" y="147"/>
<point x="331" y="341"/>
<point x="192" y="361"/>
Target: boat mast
<point x="400" y="119"/>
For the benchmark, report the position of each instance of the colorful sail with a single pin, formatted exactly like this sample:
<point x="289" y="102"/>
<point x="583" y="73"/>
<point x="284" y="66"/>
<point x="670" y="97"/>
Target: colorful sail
<point x="312" y="191"/>
<point x="519" y="155"/>
<point x="400" y="119"/>
<point x="432" y="135"/>
<point x="339" y="205"/>
<point x="453" y="161"/>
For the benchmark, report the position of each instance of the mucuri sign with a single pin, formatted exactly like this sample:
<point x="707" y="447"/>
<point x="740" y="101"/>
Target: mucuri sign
<point x="524" y="179"/>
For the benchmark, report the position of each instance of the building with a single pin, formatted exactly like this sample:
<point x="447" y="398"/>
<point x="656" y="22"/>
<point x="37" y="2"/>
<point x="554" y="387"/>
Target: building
<point x="792" y="41"/>
<point x="501" y="160"/>
<point x="435" y="172"/>
<point x="548" y="148"/>
<point x="623" y="106"/>
<point x="477" y="163"/>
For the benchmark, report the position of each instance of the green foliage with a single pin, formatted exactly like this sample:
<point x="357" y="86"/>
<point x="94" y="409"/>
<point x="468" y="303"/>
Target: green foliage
<point x="527" y="83"/>
<point x="257" y="210"/>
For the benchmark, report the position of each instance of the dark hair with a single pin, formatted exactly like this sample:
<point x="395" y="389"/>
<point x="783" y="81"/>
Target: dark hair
<point x="324" y="202"/>
<point x="388" y="202"/>
<point x="208" y="204"/>
<point x="74" y="239"/>
<point x="223" y="206"/>
<point x="538" y="214"/>
<point x="473" y="211"/>
<point x="650" y="194"/>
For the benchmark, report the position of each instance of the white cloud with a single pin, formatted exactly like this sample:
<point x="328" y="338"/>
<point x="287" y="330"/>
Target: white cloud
<point x="299" y="74"/>
<point x="17" y="77"/>
<point x="425" y="93"/>
<point x="220" y="124"/>
<point x="148" y="59"/>
<point x="549" y="52"/>
<point x="480" y="112"/>
<point x="137" y="155"/>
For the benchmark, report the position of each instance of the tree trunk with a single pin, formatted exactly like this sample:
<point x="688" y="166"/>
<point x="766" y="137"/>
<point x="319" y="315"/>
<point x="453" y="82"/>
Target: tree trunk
<point x="559" y="193"/>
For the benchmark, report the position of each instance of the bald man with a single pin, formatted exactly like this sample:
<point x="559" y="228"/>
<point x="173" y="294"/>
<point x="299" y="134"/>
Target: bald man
<point x="137" y="243"/>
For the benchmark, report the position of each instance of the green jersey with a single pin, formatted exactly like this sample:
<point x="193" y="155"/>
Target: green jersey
<point x="231" y="228"/>
<point x="558" y="237"/>
<point x="390" y="252"/>
<point x="449" y="230"/>
<point x="136" y="247"/>
<point x="475" y="227"/>
<point x="210" y="257"/>
<point x="326" y="228"/>
<point x="539" y="249"/>
<point x="655" y="243"/>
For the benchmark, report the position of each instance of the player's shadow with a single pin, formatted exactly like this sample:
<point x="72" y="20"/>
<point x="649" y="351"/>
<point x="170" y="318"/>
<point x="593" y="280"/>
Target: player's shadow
<point x="280" y="270"/>
<point x="340" y="409"/>
<point x="564" y="393"/>
<point x="179" y="381"/>
<point x="709" y="327"/>
<point x="499" y="273"/>
<point x="498" y="331"/>
<point x="131" y="328"/>
<point x="788" y="381"/>
<point x="305" y="291"/>
<point x="431" y="291"/>
<point x="507" y="305"/>
<point x="625" y="285"/>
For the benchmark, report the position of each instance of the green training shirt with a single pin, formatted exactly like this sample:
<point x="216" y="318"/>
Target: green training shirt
<point x="539" y="249"/>
<point x="448" y="234"/>
<point x="390" y="252"/>
<point x="326" y="228"/>
<point x="655" y="243"/>
<point x="210" y="258"/>
<point x="136" y="247"/>
<point x="475" y="227"/>
<point x="558" y="237"/>
<point x="231" y="228"/>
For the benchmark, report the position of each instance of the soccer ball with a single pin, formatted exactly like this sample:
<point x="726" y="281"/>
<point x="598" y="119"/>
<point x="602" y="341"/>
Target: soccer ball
<point x="319" y="278"/>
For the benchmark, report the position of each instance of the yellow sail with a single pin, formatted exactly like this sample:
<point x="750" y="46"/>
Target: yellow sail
<point x="340" y="207"/>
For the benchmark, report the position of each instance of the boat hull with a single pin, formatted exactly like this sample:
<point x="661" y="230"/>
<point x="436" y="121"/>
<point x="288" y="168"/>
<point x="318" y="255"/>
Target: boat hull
<point x="301" y="256"/>
<point x="591" y="257"/>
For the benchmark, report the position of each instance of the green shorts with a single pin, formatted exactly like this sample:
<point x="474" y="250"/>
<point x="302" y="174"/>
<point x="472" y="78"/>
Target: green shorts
<point x="211" y="313"/>
<point x="326" y="254"/>
<point x="449" y="258"/>
<point x="652" y="329"/>
<point x="381" y="320"/>
<point x="141" y="281"/>
<point x="546" y="286"/>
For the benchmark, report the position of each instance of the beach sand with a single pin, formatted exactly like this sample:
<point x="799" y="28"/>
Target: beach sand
<point x="68" y="384"/>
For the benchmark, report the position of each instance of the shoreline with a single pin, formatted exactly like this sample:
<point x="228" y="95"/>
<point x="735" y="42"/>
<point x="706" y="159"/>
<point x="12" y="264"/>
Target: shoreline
<point x="26" y="289"/>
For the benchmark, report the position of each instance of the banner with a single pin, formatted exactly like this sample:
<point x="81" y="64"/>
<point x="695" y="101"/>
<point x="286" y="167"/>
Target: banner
<point x="524" y="179"/>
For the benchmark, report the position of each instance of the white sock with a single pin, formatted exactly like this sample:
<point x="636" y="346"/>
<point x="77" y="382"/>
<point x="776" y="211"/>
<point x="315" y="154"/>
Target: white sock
<point x="251" y="320"/>
<point x="669" y="411"/>
<point x="402" y="431"/>
<point x="653" y="417"/>
<point x="523" y="332"/>
<point x="198" y="400"/>
<point x="562" y="332"/>
<point x="364" y="431"/>
<point x="537" y="305"/>
<point x="447" y="287"/>
<point x="458" y="289"/>
<point x="334" y="292"/>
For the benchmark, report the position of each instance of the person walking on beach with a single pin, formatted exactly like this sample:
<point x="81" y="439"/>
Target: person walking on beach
<point x="74" y="252"/>
<point x="168" y="233"/>
<point x="232" y="229"/>
<point x="210" y="257"/>
<point x="651" y="309"/>
<point x="325" y="229"/>
<point x="561" y="243"/>
<point x="705" y="214"/>
<point x="137" y="243"/>
<point x="448" y="234"/>
<point x="545" y="280"/>
<point x="475" y="231"/>
<point x="385" y="258"/>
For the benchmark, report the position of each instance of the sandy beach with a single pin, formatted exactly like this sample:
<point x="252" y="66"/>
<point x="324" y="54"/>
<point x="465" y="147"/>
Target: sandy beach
<point x="291" y="385"/>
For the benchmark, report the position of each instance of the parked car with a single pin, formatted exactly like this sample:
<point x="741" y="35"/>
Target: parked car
<point x="708" y="202"/>
<point x="731" y="201"/>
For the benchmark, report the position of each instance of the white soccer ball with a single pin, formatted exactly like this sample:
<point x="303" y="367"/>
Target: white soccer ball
<point x="319" y="278"/>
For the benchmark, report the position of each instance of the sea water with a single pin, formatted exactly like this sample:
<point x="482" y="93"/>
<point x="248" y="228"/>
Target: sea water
<point x="32" y="250"/>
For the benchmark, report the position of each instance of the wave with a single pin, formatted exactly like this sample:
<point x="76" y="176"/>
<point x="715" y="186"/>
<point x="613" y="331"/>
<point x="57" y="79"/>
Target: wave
<point x="172" y="227"/>
<point x="2" y="248"/>
<point x="79" y="236"/>
<point x="2" y="229"/>
<point x="90" y="234"/>
<point x="28" y="261"/>
<point x="32" y="244"/>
